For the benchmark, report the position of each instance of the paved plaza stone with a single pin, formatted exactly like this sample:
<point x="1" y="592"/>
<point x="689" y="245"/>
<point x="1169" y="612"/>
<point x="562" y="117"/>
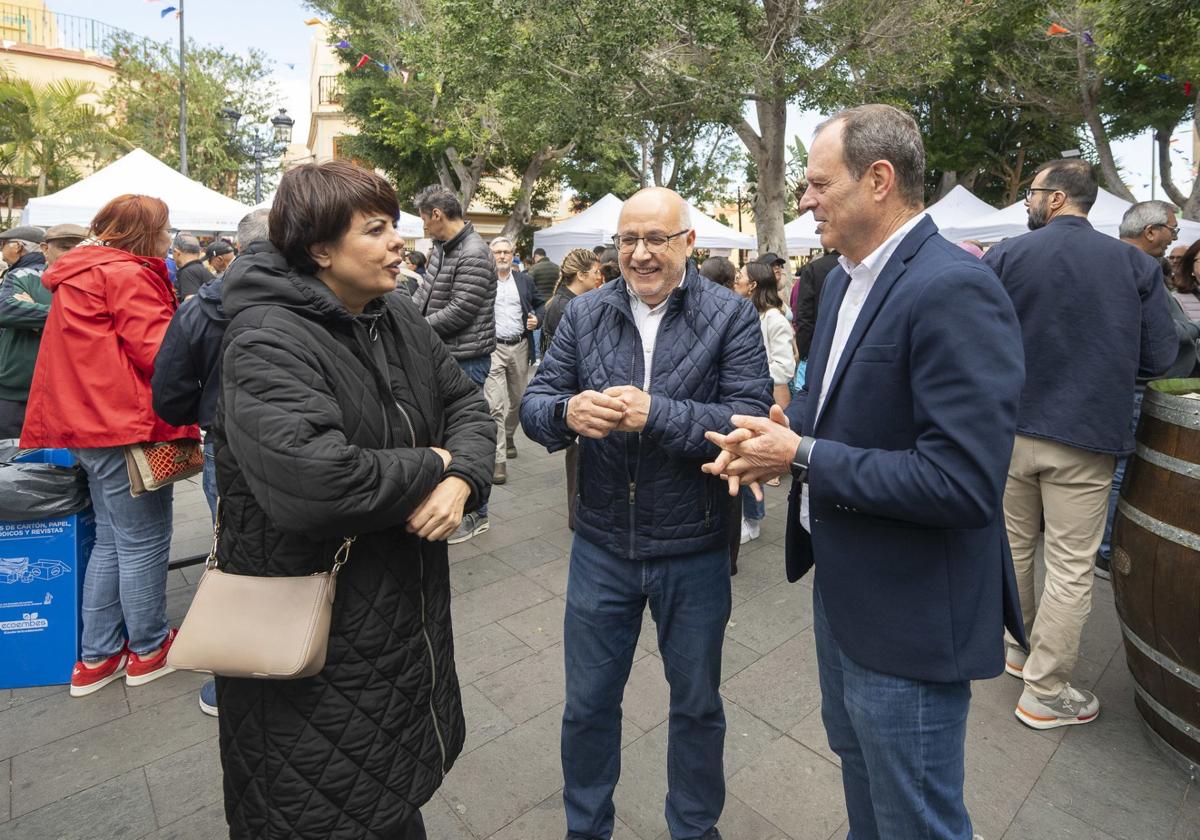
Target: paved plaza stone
<point x="143" y="762"/>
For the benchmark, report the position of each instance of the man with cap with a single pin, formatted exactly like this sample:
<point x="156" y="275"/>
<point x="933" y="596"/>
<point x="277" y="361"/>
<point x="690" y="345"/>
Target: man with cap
<point x="779" y="266"/>
<point x="24" y="305"/>
<point x="190" y="273"/>
<point x="219" y="254"/>
<point x="60" y="239"/>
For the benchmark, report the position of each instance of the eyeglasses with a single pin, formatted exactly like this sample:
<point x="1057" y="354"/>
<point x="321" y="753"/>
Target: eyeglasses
<point x="1174" y="229"/>
<point x="656" y="243"/>
<point x="500" y="251"/>
<point x="1029" y="192"/>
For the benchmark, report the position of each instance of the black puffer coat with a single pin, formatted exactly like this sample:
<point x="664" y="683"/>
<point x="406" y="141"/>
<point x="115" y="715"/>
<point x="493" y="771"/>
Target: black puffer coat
<point x="459" y="294"/>
<point x="311" y="448"/>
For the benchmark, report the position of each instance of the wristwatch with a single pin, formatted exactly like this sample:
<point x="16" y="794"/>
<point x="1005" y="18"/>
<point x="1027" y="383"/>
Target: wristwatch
<point x="800" y="459"/>
<point x="560" y="412"/>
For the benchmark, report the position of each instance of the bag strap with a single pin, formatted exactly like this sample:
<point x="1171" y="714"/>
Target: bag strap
<point x="339" y="558"/>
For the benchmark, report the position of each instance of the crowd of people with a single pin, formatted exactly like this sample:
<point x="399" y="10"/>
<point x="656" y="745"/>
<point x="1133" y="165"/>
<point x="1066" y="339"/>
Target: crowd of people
<point x="935" y="407"/>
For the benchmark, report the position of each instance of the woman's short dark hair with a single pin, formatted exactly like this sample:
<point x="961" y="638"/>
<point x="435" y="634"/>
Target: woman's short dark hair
<point x="1075" y="177"/>
<point x="416" y="258"/>
<point x="766" y="289"/>
<point x="316" y="202"/>
<point x="719" y="270"/>
<point x="437" y="197"/>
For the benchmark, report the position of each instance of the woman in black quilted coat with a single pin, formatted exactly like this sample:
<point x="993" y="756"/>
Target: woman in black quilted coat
<point x="342" y="415"/>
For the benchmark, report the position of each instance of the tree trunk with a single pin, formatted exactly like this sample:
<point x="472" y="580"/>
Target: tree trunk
<point x="945" y="184"/>
<point x="1089" y="96"/>
<point x="468" y="174"/>
<point x="1189" y="205"/>
<point x="522" y="210"/>
<point x="768" y="147"/>
<point x="41" y="187"/>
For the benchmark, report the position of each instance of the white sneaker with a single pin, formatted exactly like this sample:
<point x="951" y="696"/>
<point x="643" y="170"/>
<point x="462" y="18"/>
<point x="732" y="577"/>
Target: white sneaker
<point x="1071" y="706"/>
<point x="1014" y="661"/>
<point x="750" y="530"/>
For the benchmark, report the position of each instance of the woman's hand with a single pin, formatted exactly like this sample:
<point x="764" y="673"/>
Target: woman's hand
<point x="437" y="517"/>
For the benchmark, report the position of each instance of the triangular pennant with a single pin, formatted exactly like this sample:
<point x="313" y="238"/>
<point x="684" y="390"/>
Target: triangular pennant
<point x="343" y="44"/>
<point x="362" y="61"/>
<point x="1141" y="68"/>
<point x="1164" y="77"/>
<point x="166" y="11"/>
<point x="313" y="22"/>
<point x="1088" y="39"/>
<point x="1187" y="88"/>
<point x="1057" y="29"/>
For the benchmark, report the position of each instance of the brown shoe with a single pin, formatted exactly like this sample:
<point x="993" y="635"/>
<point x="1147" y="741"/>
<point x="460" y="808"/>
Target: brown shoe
<point x="500" y="474"/>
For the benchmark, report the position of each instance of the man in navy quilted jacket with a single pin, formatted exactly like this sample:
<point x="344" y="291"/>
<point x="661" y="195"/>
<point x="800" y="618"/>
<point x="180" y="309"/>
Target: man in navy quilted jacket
<point x="639" y="371"/>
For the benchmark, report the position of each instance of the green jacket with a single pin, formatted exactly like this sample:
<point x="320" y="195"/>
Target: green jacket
<point x="21" y="327"/>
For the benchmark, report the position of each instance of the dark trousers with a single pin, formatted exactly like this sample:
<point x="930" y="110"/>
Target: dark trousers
<point x="12" y="418"/>
<point x="477" y="371"/>
<point x="572" y="467"/>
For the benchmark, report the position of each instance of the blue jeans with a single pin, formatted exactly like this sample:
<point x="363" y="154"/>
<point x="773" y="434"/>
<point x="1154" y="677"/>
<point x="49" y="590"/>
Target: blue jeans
<point x="901" y="742"/>
<point x="537" y="344"/>
<point x="690" y="600"/>
<point x="209" y="478"/>
<point x="751" y="507"/>
<point x="126" y="579"/>
<point x="1118" y="476"/>
<point x="477" y="370"/>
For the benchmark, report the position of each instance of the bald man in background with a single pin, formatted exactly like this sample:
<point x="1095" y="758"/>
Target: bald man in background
<point x="639" y="370"/>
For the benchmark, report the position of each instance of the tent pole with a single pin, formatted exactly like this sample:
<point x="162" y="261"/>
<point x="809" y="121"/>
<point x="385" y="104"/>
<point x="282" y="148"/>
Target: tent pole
<point x="183" y="161"/>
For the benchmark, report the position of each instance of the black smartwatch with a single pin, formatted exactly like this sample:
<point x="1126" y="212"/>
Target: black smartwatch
<point x="800" y="459"/>
<point x="560" y="412"/>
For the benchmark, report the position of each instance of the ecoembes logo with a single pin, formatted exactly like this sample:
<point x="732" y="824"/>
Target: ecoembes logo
<point x="27" y="623"/>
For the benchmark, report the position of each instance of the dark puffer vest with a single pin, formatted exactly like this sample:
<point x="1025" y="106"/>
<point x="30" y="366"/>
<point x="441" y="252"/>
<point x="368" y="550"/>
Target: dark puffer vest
<point x="322" y="433"/>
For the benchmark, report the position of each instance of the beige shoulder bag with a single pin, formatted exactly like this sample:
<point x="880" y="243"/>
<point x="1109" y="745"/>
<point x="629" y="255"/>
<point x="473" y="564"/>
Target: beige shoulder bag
<point x="273" y="628"/>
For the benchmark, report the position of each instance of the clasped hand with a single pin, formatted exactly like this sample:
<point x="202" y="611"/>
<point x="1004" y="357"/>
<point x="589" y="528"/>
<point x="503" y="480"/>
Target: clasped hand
<point x="437" y="517"/>
<point x="622" y="408"/>
<point x="757" y="450"/>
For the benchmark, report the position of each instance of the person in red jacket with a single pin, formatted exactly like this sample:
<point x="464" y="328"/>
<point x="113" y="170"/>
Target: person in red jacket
<point x="112" y="301"/>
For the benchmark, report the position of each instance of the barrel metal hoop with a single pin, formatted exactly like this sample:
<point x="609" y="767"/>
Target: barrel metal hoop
<point x="1158" y="527"/>
<point x="1172" y="412"/>
<point x="1166" y="714"/>
<point x="1172" y="755"/>
<point x="1175" y="465"/>
<point x="1166" y="663"/>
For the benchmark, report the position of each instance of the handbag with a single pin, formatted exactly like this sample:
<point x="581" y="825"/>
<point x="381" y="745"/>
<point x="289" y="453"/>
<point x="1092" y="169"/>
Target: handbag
<point x="273" y="628"/>
<point x="155" y="465"/>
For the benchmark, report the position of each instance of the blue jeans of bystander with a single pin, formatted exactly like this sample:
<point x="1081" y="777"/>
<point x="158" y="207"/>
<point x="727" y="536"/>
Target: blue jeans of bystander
<point x="126" y="578"/>
<point x="1118" y="476"/>
<point x="208" y="481"/>
<point x="901" y="742"/>
<point x="689" y="598"/>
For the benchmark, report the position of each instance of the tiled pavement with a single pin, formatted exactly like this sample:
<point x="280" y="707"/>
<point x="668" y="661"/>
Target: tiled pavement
<point x="143" y="762"/>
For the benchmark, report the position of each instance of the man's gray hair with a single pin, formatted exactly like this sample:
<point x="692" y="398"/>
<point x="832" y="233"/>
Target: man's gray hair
<point x="253" y="227"/>
<point x="1142" y="215"/>
<point x="24" y="243"/>
<point x="435" y="196"/>
<point x="186" y="243"/>
<point x="503" y="239"/>
<point x="872" y="133"/>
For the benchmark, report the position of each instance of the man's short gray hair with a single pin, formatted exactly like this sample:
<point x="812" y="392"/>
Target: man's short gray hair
<point x="437" y="197"/>
<point x="503" y="239"/>
<point x="1142" y="215"/>
<point x="872" y="133"/>
<point x="186" y="243"/>
<point x="253" y="227"/>
<point x="24" y="243"/>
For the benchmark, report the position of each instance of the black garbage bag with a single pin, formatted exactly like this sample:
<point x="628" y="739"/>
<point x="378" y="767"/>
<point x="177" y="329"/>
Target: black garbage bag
<point x="38" y="491"/>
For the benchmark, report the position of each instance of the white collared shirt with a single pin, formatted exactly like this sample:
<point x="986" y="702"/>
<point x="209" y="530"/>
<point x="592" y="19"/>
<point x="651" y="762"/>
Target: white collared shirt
<point x="509" y="323"/>
<point x="648" y="319"/>
<point x="862" y="279"/>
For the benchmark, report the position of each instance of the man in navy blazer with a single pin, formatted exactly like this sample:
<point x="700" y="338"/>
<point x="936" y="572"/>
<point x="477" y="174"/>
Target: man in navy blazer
<point x="905" y="431"/>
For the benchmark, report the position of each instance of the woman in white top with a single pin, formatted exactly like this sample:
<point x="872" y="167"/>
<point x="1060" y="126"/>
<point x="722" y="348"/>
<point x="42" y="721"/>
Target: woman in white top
<point x="757" y="282"/>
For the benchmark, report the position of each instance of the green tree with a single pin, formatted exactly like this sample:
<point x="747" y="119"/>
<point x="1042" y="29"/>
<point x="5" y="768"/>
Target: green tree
<point x="145" y="100"/>
<point x="47" y="131"/>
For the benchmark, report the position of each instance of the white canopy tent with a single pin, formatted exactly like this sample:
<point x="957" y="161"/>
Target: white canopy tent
<point x="409" y="226"/>
<point x="192" y="205"/>
<point x="955" y="209"/>
<point x="800" y="234"/>
<point x="1105" y="216"/>
<point x="598" y="224"/>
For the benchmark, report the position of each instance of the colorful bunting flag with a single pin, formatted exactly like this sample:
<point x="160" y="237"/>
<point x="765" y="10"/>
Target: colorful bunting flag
<point x="387" y="68"/>
<point x="289" y="65"/>
<point x="1141" y="68"/>
<point x="1087" y="38"/>
<point x="404" y="75"/>
<point x="166" y="11"/>
<point x="343" y="44"/>
<point x="1187" y="88"/>
<point x="1164" y="77"/>
<point x="1057" y="29"/>
<point x="362" y="61"/>
<point x="313" y="22"/>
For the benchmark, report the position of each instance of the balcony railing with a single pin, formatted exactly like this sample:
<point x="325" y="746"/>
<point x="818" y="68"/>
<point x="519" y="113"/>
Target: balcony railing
<point x="43" y="28"/>
<point x="329" y="90"/>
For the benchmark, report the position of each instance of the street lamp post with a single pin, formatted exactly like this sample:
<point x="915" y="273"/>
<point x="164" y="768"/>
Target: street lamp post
<point x="262" y="143"/>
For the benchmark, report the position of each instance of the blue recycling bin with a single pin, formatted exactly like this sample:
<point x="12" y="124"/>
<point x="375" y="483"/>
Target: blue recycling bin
<point x="42" y="564"/>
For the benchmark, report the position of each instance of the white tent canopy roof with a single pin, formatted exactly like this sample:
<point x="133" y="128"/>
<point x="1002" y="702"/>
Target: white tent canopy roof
<point x="597" y="224"/>
<point x="800" y="233"/>
<point x="1105" y="217"/>
<point x="955" y="209"/>
<point x="192" y="205"/>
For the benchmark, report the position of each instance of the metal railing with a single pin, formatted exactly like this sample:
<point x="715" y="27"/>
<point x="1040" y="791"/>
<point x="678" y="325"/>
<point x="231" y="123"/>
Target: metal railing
<point x="43" y="28"/>
<point x="329" y="90"/>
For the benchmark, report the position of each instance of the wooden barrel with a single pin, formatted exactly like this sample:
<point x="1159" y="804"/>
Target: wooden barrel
<point x="1156" y="568"/>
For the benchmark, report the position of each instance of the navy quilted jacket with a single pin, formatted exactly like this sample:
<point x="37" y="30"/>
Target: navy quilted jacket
<point x="643" y="495"/>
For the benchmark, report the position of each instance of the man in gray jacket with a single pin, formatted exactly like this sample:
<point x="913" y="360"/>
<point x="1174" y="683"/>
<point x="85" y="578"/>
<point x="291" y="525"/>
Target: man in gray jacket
<point x="459" y="300"/>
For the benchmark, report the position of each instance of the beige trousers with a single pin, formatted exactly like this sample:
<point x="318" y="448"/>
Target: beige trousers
<point x="503" y="389"/>
<point x="1069" y="486"/>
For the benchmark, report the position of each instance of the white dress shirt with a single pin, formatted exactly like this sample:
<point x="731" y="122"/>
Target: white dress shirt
<point x="648" y="319"/>
<point x="862" y="279"/>
<point x="509" y="323"/>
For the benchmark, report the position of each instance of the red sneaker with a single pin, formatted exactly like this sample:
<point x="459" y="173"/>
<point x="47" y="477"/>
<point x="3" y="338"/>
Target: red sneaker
<point x="142" y="671"/>
<point x="85" y="680"/>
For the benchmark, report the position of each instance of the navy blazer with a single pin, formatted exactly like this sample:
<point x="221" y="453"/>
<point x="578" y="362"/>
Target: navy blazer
<point x="906" y="481"/>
